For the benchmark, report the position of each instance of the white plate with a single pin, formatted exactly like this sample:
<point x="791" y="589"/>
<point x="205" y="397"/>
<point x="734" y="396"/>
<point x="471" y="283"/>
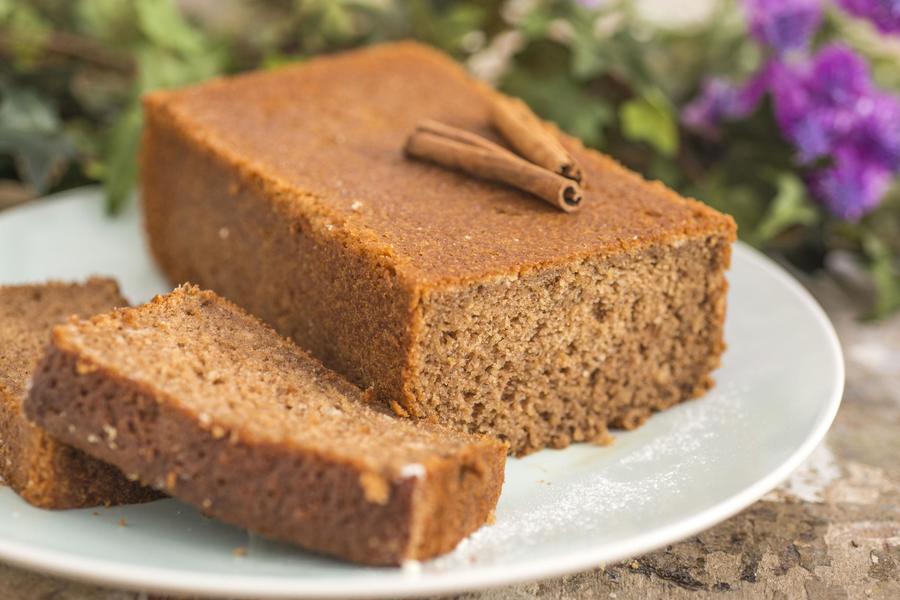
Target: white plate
<point x="561" y="511"/>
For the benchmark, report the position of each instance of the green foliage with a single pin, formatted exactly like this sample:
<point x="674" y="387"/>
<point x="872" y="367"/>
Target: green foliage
<point x="163" y="26"/>
<point x="30" y="131"/>
<point x="879" y="236"/>
<point x="25" y="31"/>
<point x="789" y="208"/>
<point x="552" y="93"/>
<point x="650" y="118"/>
<point x="111" y="22"/>
<point x="447" y="26"/>
<point x="118" y="170"/>
<point x="72" y="73"/>
<point x="885" y="276"/>
<point x="169" y="52"/>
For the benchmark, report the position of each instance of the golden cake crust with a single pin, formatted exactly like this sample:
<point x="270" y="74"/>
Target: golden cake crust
<point x="327" y="137"/>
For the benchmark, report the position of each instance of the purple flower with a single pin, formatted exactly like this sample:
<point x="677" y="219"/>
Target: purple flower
<point x="851" y="186"/>
<point x="877" y="130"/>
<point x="812" y="137"/>
<point x="752" y="92"/>
<point x="839" y="77"/>
<point x="783" y="24"/>
<point x="828" y="108"/>
<point x="715" y="104"/>
<point x="721" y="101"/>
<point x="796" y="111"/>
<point x="790" y="96"/>
<point x="820" y="104"/>
<point x="884" y="14"/>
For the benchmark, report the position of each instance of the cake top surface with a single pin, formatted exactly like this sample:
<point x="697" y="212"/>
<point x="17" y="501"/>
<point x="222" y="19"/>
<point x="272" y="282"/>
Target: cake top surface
<point x="327" y="137"/>
<point x="236" y="377"/>
<point x="29" y="312"/>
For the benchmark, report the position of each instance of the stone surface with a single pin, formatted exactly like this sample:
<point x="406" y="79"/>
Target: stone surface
<point x="832" y="531"/>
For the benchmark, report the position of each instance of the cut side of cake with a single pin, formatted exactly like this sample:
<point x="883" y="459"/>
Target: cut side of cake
<point x="192" y="395"/>
<point x="45" y="472"/>
<point x="455" y="299"/>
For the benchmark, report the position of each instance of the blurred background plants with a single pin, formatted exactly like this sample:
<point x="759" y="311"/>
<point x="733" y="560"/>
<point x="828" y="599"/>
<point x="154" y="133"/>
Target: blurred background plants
<point x="710" y="96"/>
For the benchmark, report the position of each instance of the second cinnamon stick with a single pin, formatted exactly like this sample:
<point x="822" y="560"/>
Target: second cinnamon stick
<point x="531" y="137"/>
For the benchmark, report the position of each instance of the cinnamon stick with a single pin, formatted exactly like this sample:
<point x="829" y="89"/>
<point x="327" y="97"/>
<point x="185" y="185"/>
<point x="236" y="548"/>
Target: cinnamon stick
<point x="470" y="153"/>
<point x="461" y="135"/>
<point x="531" y="137"/>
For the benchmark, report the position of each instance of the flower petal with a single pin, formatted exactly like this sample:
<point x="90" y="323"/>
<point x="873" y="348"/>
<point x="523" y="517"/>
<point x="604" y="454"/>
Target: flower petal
<point x="783" y="24"/>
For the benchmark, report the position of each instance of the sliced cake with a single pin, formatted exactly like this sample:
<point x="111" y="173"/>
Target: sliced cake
<point x="45" y="472"/>
<point x="192" y="395"/>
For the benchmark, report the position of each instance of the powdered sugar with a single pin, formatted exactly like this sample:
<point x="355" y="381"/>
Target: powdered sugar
<point x="810" y="481"/>
<point x="412" y="470"/>
<point x="590" y="490"/>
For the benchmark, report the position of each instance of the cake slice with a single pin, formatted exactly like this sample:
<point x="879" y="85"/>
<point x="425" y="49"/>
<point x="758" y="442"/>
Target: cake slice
<point x="454" y="298"/>
<point x="45" y="472"/>
<point x="198" y="398"/>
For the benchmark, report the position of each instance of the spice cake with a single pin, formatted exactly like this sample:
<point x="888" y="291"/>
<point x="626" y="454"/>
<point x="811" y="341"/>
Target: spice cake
<point x="455" y="298"/>
<point x="192" y="395"/>
<point x="45" y="472"/>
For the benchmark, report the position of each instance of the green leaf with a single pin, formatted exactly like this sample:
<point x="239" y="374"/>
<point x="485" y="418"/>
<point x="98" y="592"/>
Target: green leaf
<point x="160" y="68"/>
<point x="110" y="21"/>
<point x="885" y="276"/>
<point x="650" y="119"/>
<point x="586" y="60"/>
<point x="536" y="21"/>
<point x="740" y="201"/>
<point x="589" y="58"/>
<point x="39" y="160"/>
<point x="163" y="24"/>
<point x="555" y="95"/>
<point x="337" y="21"/>
<point x="32" y="133"/>
<point x="120" y="158"/>
<point x="6" y="8"/>
<point x="456" y="23"/>
<point x="25" y="110"/>
<point x="444" y="25"/>
<point x="790" y="207"/>
<point x="175" y="53"/>
<point x="666" y="171"/>
<point x="24" y="30"/>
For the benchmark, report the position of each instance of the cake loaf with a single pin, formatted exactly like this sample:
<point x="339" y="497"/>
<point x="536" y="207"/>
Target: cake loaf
<point x="194" y="396"/>
<point x="456" y="299"/>
<point x="45" y="472"/>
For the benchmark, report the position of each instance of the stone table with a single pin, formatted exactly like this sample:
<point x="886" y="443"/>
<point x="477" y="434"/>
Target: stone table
<point x="832" y="531"/>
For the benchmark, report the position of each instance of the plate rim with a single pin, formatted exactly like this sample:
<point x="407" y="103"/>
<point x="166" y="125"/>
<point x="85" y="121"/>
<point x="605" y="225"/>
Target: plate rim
<point x="112" y="574"/>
